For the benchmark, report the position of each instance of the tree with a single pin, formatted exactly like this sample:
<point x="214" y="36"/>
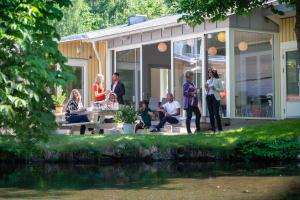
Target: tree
<point x="116" y="12"/>
<point x="195" y="11"/>
<point x="77" y="19"/>
<point x="28" y="50"/>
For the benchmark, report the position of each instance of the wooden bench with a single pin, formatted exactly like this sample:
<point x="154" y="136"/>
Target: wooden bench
<point x="96" y="125"/>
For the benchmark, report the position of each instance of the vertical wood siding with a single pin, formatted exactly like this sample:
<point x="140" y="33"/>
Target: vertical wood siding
<point x="69" y="50"/>
<point x="287" y="27"/>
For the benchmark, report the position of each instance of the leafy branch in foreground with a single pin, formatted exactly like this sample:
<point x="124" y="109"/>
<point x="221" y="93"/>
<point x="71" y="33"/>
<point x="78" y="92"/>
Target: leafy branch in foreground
<point x="28" y="50"/>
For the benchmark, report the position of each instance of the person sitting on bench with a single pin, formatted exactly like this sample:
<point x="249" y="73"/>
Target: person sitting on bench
<point x="74" y="109"/>
<point x="169" y="112"/>
<point x="146" y="113"/>
<point x="110" y="104"/>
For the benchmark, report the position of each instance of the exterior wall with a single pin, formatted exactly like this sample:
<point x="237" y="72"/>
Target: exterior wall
<point x="287" y="27"/>
<point x="257" y="21"/>
<point x="84" y="50"/>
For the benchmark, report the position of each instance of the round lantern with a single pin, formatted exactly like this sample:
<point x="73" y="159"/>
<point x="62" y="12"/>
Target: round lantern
<point x="222" y="37"/>
<point x="212" y="51"/>
<point x="243" y="46"/>
<point x="162" y="47"/>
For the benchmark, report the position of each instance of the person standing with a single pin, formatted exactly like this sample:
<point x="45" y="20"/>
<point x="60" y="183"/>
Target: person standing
<point x="118" y="87"/>
<point x="190" y="102"/>
<point x="99" y="91"/>
<point x="213" y="88"/>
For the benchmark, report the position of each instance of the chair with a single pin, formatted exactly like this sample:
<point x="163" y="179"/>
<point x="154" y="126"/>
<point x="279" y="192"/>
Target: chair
<point x="153" y="103"/>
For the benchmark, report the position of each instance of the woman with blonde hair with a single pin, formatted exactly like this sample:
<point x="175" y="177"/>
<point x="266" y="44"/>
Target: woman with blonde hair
<point x="99" y="91"/>
<point x="74" y="109"/>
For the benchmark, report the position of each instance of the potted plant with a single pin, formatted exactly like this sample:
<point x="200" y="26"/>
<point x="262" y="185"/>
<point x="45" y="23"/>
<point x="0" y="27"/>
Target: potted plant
<point x="127" y="116"/>
<point x="59" y="100"/>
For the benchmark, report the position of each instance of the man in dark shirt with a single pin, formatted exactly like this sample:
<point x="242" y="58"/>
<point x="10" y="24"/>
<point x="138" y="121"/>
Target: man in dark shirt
<point x="118" y="87"/>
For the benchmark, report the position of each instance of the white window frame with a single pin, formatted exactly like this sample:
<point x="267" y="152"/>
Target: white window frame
<point x="83" y="64"/>
<point x="181" y="38"/>
<point x="284" y="48"/>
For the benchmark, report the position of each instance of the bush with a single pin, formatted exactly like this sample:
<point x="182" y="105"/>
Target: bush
<point x="276" y="149"/>
<point x="127" y="115"/>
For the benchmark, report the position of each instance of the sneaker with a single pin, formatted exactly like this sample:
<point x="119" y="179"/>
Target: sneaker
<point x="153" y="130"/>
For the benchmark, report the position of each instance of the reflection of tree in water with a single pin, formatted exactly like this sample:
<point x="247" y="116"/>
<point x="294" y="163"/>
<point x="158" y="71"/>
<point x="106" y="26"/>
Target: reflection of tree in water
<point x="126" y="176"/>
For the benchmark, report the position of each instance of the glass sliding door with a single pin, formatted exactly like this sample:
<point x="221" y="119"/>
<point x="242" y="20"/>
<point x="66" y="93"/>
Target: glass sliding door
<point x="216" y="59"/>
<point x="187" y="56"/>
<point x="128" y="66"/>
<point x="254" y="85"/>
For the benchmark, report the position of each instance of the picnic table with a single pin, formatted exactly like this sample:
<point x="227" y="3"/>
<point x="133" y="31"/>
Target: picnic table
<point x="96" y="117"/>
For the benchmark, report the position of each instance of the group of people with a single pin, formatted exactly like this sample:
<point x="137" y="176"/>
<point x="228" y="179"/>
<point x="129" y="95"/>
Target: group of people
<point x="74" y="107"/>
<point x="170" y="111"/>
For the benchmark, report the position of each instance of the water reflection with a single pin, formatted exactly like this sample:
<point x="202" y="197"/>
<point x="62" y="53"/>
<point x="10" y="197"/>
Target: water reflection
<point x="160" y="176"/>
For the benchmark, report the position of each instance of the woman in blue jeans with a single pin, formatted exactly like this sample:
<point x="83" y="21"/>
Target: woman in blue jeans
<point x="74" y="110"/>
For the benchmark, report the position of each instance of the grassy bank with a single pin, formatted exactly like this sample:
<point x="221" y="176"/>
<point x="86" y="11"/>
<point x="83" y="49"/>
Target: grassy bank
<point x="274" y="140"/>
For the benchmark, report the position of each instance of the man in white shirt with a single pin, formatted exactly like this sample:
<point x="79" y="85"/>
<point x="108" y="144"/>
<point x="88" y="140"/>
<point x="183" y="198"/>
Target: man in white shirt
<point x="169" y="112"/>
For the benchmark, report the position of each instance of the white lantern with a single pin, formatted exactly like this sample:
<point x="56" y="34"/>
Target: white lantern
<point x="162" y="47"/>
<point x="212" y="51"/>
<point x="222" y="37"/>
<point x="243" y="46"/>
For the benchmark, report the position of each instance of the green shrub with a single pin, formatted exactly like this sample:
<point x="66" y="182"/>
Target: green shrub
<point x="275" y="149"/>
<point x="126" y="114"/>
<point x="59" y="99"/>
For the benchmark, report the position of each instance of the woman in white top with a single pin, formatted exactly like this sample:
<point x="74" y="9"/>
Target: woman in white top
<point x="213" y="88"/>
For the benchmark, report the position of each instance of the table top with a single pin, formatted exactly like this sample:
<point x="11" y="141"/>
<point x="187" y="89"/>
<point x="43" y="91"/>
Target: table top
<point x="88" y="112"/>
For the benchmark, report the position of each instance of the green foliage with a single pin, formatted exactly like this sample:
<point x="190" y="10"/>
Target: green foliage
<point x="116" y="12"/>
<point x="127" y="115"/>
<point x="28" y="49"/>
<point x="276" y="140"/>
<point x="77" y="19"/>
<point x="277" y="149"/>
<point x="59" y="99"/>
<point x="195" y="11"/>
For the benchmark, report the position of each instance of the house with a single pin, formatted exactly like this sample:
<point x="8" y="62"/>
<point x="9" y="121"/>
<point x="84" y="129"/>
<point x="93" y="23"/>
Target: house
<point x="255" y="56"/>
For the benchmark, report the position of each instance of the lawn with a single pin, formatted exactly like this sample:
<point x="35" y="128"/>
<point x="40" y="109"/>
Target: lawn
<point x="275" y="140"/>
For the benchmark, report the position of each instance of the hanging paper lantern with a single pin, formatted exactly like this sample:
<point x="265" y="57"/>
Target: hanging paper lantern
<point x="212" y="51"/>
<point x="162" y="47"/>
<point x="222" y="37"/>
<point x="243" y="46"/>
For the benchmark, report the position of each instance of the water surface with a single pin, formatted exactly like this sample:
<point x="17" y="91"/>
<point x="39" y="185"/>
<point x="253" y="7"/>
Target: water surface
<point x="161" y="180"/>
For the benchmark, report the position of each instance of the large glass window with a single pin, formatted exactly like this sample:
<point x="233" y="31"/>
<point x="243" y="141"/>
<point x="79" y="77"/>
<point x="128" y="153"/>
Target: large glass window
<point x="128" y="66"/>
<point x="187" y="56"/>
<point x="216" y="59"/>
<point x="292" y="76"/>
<point x="254" y="88"/>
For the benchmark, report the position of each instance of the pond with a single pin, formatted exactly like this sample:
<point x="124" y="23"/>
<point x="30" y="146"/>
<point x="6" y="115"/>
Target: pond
<point x="151" y="181"/>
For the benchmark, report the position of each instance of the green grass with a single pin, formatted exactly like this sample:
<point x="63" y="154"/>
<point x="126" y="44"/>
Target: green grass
<point x="276" y="139"/>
